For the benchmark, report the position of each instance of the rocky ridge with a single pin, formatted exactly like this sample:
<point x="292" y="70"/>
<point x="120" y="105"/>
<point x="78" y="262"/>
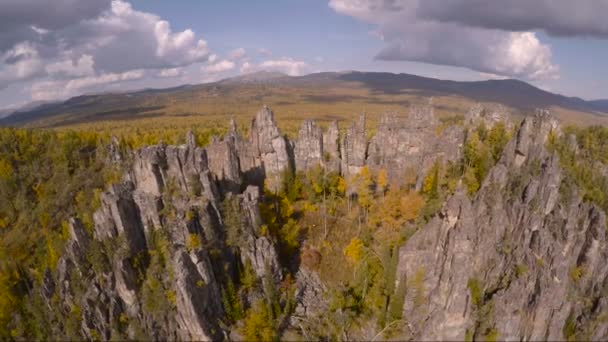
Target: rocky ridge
<point x="521" y="260"/>
<point x="183" y="193"/>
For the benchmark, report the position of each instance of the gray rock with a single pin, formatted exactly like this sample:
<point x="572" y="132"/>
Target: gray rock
<point x="504" y="259"/>
<point x="308" y="150"/>
<point x="271" y="147"/>
<point x="353" y="148"/>
<point x="224" y="164"/>
<point x="414" y="144"/>
<point x="331" y="147"/>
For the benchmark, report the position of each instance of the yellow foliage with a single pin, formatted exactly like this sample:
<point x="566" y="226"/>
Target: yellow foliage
<point x="411" y="205"/>
<point x="341" y="185"/>
<point x="382" y="180"/>
<point x="364" y="183"/>
<point x="6" y="170"/>
<point x="259" y="324"/>
<point x="397" y="209"/>
<point x="354" y="251"/>
<point x="171" y="296"/>
<point x="194" y="242"/>
<point x="309" y="207"/>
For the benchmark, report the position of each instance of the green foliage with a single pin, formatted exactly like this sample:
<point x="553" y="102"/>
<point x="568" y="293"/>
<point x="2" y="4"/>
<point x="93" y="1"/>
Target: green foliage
<point x="569" y="329"/>
<point x="231" y="212"/>
<point x="259" y="325"/>
<point x="46" y="177"/>
<point x="481" y="151"/>
<point x="583" y="163"/>
<point x="476" y="291"/>
<point x="232" y="302"/>
<point x="157" y="292"/>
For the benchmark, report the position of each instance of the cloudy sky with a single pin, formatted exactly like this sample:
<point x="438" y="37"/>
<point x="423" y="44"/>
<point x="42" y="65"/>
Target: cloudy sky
<point x="52" y="50"/>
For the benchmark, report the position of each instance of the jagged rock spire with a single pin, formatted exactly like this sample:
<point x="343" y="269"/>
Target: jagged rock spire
<point x="354" y="147"/>
<point x="308" y="151"/>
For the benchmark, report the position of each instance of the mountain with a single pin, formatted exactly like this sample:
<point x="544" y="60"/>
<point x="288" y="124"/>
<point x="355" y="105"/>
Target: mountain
<point x="601" y="105"/>
<point x="325" y="94"/>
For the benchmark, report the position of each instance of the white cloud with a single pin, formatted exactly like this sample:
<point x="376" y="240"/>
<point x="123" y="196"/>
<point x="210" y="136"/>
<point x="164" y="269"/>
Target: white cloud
<point x="22" y="62"/>
<point x="264" y="52"/>
<point x="289" y="66"/>
<point x="237" y="54"/>
<point x="286" y="65"/>
<point x="173" y="72"/>
<point x="80" y="67"/>
<point x="221" y="66"/>
<point x="408" y="36"/>
<point x="84" y="45"/>
<point x="58" y="89"/>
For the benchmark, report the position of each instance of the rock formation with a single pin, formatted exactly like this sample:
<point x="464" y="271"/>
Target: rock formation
<point x="309" y="146"/>
<point x="499" y="263"/>
<point x="353" y="148"/>
<point x="331" y="147"/>
<point x="412" y="144"/>
<point x="502" y="263"/>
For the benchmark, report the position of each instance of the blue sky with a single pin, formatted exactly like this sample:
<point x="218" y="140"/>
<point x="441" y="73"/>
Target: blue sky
<point x="54" y="50"/>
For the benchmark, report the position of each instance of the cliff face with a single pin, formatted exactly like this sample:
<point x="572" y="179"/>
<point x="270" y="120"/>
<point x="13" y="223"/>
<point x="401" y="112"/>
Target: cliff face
<point x="521" y="260"/>
<point x="173" y="192"/>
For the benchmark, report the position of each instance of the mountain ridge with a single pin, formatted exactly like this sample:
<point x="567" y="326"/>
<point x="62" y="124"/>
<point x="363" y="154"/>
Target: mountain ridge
<point x="510" y="92"/>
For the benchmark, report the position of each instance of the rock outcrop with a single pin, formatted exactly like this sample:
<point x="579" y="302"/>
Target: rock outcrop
<point x="412" y="144"/>
<point x="331" y="147"/>
<point x="169" y="203"/>
<point x="519" y="261"/>
<point x="270" y="146"/>
<point x="309" y="151"/>
<point x="353" y="148"/>
<point x="500" y="263"/>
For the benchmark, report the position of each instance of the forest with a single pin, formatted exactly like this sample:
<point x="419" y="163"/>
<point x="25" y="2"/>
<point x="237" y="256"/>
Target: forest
<point x="347" y="230"/>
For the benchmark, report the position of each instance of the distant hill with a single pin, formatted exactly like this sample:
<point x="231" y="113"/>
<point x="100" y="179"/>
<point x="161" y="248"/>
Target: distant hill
<point x="314" y="94"/>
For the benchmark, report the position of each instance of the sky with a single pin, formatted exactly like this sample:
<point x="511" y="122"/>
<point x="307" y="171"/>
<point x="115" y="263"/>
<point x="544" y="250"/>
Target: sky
<point x="53" y="50"/>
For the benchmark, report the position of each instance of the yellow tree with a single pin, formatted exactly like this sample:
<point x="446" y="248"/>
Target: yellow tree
<point x="365" y="196"/>
<point x="382" y="181"/>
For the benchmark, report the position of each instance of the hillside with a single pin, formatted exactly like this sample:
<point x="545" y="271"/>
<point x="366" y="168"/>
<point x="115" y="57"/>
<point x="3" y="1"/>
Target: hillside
<point x="323" y="96"/>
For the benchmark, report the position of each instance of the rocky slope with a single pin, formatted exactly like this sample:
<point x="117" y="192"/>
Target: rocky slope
<point x="520" y="260"/>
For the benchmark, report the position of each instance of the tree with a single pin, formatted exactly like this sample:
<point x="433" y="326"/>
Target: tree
<point x="382" y="181"/>
<point x="354" y="251"/>
<point x="259" y="325"/>
<point x="432" y="181"/>
<point x="365" y="196"/>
